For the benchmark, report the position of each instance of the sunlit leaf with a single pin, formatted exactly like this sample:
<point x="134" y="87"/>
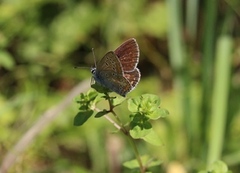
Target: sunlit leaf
<point x="219" y="167"/>
<point x="153" y="138"/>
<point x="133" y="104"/>
<point x="145" y="104"/>
<point x="140" y="130"/>
<point x="163" y="112"/>
<point x="118" y="100"/>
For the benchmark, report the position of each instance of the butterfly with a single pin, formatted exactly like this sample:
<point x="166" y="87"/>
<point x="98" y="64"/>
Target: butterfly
<point x="117" y="70"/>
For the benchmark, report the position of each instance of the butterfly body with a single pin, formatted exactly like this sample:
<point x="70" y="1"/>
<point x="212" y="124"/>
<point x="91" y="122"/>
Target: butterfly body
<point x="117" y="69"/>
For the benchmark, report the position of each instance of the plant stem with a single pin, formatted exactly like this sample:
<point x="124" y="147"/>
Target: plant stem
<point x="142" y="169"/>
<point x="126" y="132"/>
<point x="220" y="98"/>
<point x="111" y="106"/>
<point x="113" y="122"/>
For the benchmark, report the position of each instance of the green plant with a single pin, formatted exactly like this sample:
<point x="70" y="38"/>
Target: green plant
<point x="217" y="167"/>
<point x="143" y="109"/>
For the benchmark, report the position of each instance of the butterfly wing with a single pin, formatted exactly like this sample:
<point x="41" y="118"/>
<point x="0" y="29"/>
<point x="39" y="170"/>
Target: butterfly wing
<point x="128" y="54"/>
<point x="110" y="63"/>
<point x="109" y="73"/>
<point x="116" y="83"/>
<point x="121" y="84"/>
<point x="133" y="77"/>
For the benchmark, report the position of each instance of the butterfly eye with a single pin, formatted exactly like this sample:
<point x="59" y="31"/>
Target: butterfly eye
<point x="93" y="70"/>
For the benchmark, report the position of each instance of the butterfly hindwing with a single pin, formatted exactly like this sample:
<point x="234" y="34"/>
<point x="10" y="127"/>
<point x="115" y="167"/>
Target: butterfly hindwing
<point x="115" y="82"/>
<point x="133" y="77"/>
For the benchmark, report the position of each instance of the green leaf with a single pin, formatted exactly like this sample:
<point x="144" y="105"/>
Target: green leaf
<point x="153" y="138"/>
<point x="154" y="115"/>
<point x="147" y="104"/>
<point x="92" y="95"/>
<point x="82" y="117"/>
<point x="87" y="101"/>
<point x="163" y="112"/>
<point x="140" y="130"/>
<point x="117" y="101"/>
<point x="134" y="103"/>
<point x="138" y="118"/>
<point x="143" y="130"/>
<point x="132" y="164"/>
<point x="157" y="113"/>
<point x="101" y="113"/>
<point x="147" y="161"/>
<point x="217" y="167"/>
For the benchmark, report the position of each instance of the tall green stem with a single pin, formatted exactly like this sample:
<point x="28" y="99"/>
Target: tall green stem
<point x="220" y="98"/>
<point x="142" y="169"/>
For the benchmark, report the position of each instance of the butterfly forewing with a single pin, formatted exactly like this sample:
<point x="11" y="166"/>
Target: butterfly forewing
<point x="110" y="63"/>
<point x="109" y="73"/>
<point x="128" y="54"/>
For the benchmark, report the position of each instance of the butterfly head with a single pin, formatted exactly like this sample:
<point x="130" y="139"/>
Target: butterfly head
<point x="93" y="70"/>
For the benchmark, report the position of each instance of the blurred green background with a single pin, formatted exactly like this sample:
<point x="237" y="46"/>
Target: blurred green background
<point x="189" y="57"/>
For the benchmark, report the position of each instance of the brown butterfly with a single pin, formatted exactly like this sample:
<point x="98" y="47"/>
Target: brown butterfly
<point x="117" y="70"/>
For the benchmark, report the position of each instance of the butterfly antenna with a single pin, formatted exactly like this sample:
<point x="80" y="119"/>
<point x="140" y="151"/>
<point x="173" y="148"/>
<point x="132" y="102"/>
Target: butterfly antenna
<point x="94" y="57"/>
<point x="80" y="67"/>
